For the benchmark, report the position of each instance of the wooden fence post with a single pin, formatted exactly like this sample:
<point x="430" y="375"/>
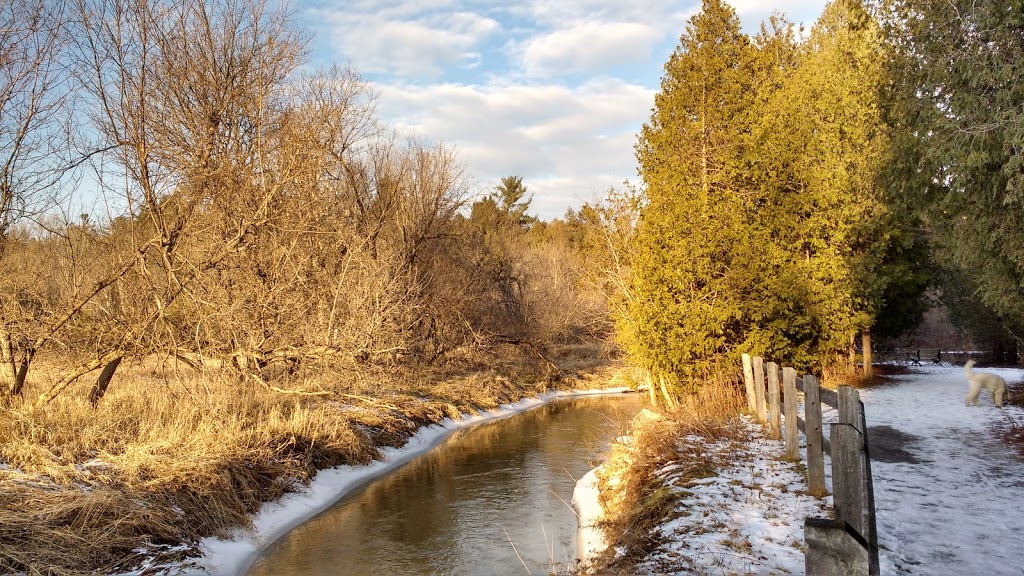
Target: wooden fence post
<point x="815" y="457"/>
<point x="869" y="513"/>
<point x="774" y="425"/>
<point x="759" y="388"/>
<point x="789" y="410"/>
<point x="847" y="440"/>
<point x="748" y="380"/>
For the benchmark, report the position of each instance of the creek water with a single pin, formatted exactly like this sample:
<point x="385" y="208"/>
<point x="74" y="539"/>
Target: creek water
<point x="491" y="499"/>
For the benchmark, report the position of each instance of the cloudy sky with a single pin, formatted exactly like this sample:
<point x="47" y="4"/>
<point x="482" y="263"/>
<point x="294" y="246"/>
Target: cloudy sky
<point x="553" y="91"/>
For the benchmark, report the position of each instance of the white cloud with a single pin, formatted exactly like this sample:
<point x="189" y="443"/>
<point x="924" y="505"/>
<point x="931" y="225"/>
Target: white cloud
<point x="554" y="13"/>
<point x="587" y="48"/>
<point x="568" y="144"/>
<point x="418" y="46"/>
<point x="528" y="115"/>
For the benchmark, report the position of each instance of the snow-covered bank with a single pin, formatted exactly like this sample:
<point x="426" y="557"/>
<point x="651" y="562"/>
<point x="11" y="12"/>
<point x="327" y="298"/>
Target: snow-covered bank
<point x="747" y="518"/>
<point x="223" y="557"/>
<point x="945" y="485"/>
<point x="586" y="501"/>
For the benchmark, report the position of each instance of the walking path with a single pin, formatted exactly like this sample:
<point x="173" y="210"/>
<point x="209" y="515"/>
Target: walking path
<point x="949" y="492"/>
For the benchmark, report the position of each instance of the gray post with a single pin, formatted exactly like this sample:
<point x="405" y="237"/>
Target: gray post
<point x="789" y="410"/>
<point x="833" y="549"/>
<point x="815" y="458"/>
<point x="759" y="389"/>
<point x="847" y="439"/>
<point x="774" y="425"/>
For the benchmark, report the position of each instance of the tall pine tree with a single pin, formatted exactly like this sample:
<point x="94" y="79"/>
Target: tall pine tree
<point x="821" y="145"/>
<point x="693" y="247"/>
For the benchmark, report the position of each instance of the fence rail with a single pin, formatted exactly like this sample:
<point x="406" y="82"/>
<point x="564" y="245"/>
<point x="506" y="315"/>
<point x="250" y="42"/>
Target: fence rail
<point x="846" y="544"/>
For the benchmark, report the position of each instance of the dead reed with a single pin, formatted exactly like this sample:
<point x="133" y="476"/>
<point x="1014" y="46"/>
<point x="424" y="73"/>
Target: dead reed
<point x="171" y="456"/>
<point x="634" y="494"/>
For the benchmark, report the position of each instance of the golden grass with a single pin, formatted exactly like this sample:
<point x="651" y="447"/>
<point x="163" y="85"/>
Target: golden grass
<point x="171" y="455"/>
<point x="634" y="497"/>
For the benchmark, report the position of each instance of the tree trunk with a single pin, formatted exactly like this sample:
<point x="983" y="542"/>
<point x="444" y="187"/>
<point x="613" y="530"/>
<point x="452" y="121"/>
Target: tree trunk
<point x="72" y="375"/>
<point x="851" y="365"/>
<point x="865" y="339"/>
<point x="19" y="381"/>
<point x="100" y="388"/>
<point x="650" y="389"/>
<point x="8" y="368"/>
<point x="670" y="402"/>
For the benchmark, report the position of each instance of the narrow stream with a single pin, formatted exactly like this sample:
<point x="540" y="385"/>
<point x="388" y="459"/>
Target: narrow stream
<point x="492" y="499"/>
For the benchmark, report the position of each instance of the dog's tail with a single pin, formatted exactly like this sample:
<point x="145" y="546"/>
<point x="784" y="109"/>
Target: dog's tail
<point x="967" y="368"/>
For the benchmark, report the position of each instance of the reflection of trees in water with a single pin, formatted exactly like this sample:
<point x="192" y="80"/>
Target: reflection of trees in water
<point x="437" y="512"/>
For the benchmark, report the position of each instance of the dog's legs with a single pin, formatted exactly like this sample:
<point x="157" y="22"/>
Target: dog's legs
<point x="997" y="396"/>
<point x="972" y="394"/>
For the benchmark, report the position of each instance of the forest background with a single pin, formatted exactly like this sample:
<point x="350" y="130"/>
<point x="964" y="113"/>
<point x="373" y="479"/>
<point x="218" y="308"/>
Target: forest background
<point x="288" y="283"/>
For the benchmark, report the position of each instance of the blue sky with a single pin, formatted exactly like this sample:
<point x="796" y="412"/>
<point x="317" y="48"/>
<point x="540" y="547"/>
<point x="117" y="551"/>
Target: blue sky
<point x="552" y="91"/>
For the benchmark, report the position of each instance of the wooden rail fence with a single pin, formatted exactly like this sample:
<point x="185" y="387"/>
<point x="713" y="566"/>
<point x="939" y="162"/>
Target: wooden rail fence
<point x="848" y="543"/>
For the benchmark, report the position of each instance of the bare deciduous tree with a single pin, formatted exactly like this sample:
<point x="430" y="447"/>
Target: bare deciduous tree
<point x="33" y="145"/>
<point x="183" y="96"/>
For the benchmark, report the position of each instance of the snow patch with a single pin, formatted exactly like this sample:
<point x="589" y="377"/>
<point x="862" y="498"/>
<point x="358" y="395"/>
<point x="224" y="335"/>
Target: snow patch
<point x="953" y="512"/>
<point x="748" y="518"/>
<point x="590" y="539"/>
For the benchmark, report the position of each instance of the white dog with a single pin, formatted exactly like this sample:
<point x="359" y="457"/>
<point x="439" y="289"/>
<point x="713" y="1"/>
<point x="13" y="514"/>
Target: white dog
<point x="995" y="385"/>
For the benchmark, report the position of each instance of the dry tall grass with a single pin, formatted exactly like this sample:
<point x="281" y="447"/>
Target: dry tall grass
<point x="170" y="456"/>
<point x="634" y="496"/>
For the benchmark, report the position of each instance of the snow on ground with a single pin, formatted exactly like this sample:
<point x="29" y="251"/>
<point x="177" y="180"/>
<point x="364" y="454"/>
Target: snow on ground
<point x="748" y="519"/>
<point x="951" y="506"/>
<point x="586" y="501"/>
<point x="946" y="490"/>
<point x="232" y="556"/>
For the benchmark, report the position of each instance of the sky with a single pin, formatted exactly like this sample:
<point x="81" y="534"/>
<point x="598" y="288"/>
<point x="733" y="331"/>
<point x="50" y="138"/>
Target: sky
<point x="553" y="91"/>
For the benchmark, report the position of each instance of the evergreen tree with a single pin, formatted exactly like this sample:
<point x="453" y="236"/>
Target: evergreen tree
<point x="509" y="199"/>
<point x="821" y="144"/>
<point x="957" y="103"/>
<point x="986" y="328"/>
<point x="693" y="247"/>
<point x="765" y="228"/>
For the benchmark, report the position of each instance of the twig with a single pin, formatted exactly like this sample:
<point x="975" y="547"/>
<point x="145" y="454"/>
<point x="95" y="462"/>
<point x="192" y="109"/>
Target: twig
<point x="566" y="470"/>
<point x="517" y="552"/>
<point x="301" y="392"/>
<point x="550" y="548"/>
<point x="373" y="401"/>
<point x="569" y="506"/>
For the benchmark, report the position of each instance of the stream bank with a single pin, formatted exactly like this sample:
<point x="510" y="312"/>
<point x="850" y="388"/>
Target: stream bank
<point x="700" y="490"/>
<point x="134" y="484"/>
<point x="491" y="498"/>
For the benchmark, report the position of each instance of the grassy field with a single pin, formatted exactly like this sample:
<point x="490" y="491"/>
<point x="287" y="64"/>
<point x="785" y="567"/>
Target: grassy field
<point x="171" y="454"/>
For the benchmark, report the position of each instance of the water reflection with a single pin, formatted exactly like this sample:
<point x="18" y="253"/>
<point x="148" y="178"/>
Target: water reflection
<point x="493" y="499"/>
